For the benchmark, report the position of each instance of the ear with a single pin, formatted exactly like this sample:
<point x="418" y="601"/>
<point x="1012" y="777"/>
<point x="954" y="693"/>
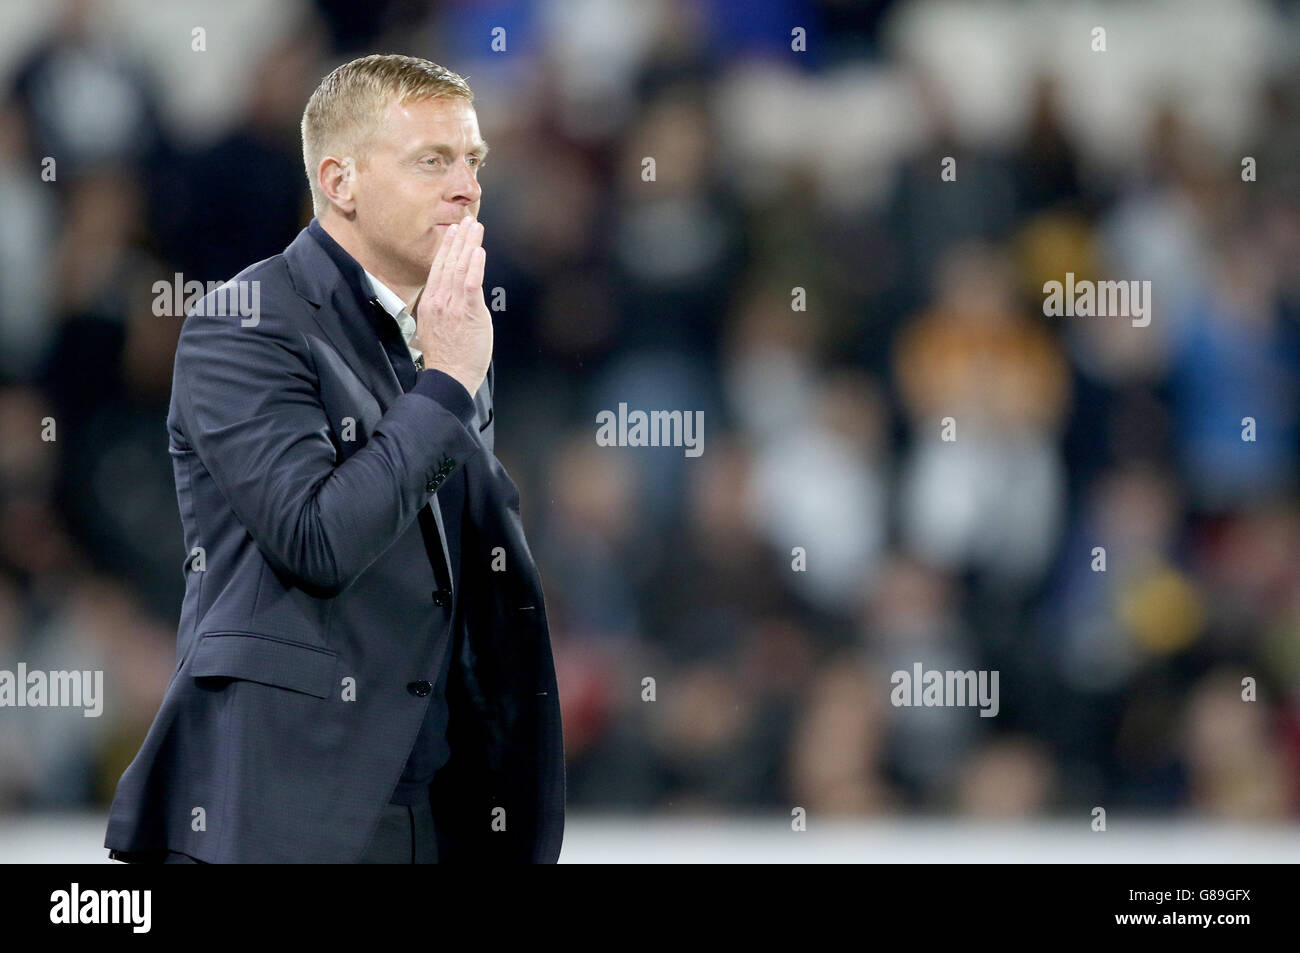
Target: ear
<point x="336" y="178"/>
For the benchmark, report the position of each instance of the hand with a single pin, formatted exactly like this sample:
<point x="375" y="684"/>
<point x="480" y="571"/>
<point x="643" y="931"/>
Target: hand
<point x="452" y="321"/>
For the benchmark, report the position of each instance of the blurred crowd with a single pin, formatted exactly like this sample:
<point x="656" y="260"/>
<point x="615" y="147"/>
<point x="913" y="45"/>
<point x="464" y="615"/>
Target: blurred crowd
<point x="800" y="271"/>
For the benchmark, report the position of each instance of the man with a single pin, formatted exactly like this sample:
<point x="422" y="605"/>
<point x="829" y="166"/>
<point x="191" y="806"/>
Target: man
<point x="364" y="667"/>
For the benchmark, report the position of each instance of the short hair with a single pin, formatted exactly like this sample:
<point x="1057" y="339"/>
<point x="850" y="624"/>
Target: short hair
<point x="344" y="112"/>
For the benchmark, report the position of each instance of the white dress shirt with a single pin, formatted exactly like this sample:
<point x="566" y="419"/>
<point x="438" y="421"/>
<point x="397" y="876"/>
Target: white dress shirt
<point x="397" y="308"/>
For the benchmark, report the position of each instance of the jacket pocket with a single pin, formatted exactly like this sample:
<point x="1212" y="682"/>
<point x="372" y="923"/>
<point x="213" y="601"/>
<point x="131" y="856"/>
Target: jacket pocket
<point x="267" y="660"/>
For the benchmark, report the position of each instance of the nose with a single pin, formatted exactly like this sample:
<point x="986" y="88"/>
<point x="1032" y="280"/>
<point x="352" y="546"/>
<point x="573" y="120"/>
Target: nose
<point x="465" y="185"/>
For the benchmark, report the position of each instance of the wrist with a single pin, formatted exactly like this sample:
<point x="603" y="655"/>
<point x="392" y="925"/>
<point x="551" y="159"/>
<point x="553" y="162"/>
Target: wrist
<point x="439" y="386"/>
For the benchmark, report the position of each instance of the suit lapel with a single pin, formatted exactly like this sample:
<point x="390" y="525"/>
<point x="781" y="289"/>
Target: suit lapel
<point x="338" y="314"/>
<point x="350" y="331"/>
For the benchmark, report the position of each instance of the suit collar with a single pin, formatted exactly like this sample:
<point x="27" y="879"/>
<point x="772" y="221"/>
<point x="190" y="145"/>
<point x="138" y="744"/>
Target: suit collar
<point x="347" y="310"/>
<point x="314" y="279"/>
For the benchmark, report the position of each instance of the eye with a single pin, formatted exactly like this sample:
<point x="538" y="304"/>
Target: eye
<point x="432" y="159"/>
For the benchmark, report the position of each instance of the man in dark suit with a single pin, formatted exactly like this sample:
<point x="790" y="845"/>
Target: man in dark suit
<point x="364" y="671"/>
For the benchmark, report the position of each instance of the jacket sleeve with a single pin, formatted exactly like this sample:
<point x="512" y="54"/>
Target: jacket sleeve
<point x="251" y="409"/>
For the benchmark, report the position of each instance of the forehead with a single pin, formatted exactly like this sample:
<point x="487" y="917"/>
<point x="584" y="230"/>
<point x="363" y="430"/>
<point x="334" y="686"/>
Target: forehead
<point x="446" y="120"/>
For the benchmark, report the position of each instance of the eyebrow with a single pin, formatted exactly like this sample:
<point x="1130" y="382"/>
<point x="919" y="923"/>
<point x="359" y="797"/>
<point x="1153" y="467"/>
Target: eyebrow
<point x="479" y="149"/>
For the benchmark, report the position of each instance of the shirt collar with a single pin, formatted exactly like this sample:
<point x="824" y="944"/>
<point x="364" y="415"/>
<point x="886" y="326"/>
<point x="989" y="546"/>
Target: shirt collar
<point x="393" y="304"/>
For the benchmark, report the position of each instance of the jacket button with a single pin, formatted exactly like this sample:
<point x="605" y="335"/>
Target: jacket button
<point x="419" y="688"/>
<point x="442" y="597"/>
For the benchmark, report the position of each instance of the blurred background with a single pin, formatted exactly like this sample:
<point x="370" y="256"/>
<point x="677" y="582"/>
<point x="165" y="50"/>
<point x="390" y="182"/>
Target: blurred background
<point x="817" y="169"/>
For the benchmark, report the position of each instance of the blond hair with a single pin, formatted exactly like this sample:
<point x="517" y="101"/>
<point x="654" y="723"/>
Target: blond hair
<point x="344" y="112"/>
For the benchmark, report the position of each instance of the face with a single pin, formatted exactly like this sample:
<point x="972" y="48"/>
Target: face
<point x="419" y="175"/>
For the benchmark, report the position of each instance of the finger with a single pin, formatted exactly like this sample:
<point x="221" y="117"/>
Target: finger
<point x="473" y="239"/>
<point x="446" y="275"/>
<point x="477" y="262"/>
<point x="440" y="256"/>
<point x="433" y="292"/>
<point x="460" y="271"/>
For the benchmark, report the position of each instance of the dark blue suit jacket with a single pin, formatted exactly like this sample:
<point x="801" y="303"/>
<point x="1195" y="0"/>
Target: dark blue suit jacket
<point x="312" y="612"/>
